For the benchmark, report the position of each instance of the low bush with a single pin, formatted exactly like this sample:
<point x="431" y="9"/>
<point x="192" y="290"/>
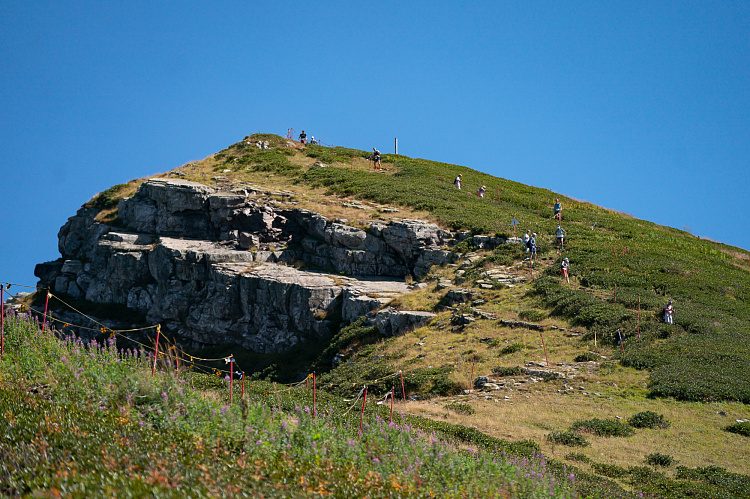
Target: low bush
<point x="648" y="419"/>
<point x="587" y="357"/>
<point x="568" y="438"/>
<point x="603" y="427"/>
<point x="532" y="315"/>
<point x="657" y="459"/>
<point x="609" y="470"/>
<point x="508" y="371"/>
<point x="742" y="428"/>
<point x="577" y="456"/>
<point x="459" y="408"/>
<point x="512" y="348"/>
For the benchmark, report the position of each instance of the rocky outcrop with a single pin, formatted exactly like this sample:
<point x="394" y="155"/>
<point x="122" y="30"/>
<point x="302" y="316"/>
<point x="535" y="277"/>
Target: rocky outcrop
<point x="222" y="266"/>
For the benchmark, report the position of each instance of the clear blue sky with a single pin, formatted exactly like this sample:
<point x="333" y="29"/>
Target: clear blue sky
<point x="642" y="107"/>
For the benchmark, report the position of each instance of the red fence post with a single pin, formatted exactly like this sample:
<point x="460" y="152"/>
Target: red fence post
<point x="314" y="413"/>
<point x="46" y="304"/>
<point x="156" y="351"/>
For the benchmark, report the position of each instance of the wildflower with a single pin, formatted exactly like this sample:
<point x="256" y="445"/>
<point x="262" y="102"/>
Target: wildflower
<point x="258" y="442"/>
<point x="141" y="423"/>
<point x="375" y="460"/>
<point x="352" y="442"/>
<point x="64" y="360"/>
<point x="158" y="411"/>
<point x="163" y="395"/>
<point x="224" y="409"/>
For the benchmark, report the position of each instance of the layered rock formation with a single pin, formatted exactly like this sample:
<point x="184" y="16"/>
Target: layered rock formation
<point x="221" y="267"/>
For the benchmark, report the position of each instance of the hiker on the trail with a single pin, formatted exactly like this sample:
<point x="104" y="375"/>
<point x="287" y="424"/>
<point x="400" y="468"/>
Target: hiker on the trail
<point x="558" y="210"/>
<point x="532" y="246"/>
<point x="564" y="268"/>
<point x="559" y="234"/>
<point x="669" y="313"/>
<point x="526" y="239"/>
<point x="303" y="137"/>
<point x="376" y="159"/>
<point x="312" y="139"/>
<point x="481" y="190"/>
<point x="457" y="181"/>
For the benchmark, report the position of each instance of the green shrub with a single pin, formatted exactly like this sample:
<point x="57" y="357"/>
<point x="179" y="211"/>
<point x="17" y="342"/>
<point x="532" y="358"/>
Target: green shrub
<point x="648" y="419"/>
<point x="603" y="427"/>
<point x="586" y="357"/>
<point x="568" y="438"/>
<point x="609" y="470"/>
<point x="577" y="456"/>
<point x="512" y="348"/>
<point x="532" y="315"/>
<point x="742" y="428"/>
<point x="508" y="371"/>
<point x="657" y="459"/>
<point x="465" y="409"/>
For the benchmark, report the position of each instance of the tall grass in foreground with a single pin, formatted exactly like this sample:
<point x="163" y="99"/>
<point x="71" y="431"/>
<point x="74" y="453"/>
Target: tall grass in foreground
<point x="90" y="421"/>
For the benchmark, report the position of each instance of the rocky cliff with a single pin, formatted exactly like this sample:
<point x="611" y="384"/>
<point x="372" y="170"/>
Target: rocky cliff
<point x="223" y="266"/>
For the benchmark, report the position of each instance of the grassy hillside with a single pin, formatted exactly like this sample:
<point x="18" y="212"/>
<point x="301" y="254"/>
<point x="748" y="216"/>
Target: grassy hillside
<point x="690" y="375"/>
<point x="91" y="421"/>
<point x="704" y="357"/>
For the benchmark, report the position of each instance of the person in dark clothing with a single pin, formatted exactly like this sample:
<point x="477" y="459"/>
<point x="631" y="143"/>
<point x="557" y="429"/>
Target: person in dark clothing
<point x="303" y="137"/>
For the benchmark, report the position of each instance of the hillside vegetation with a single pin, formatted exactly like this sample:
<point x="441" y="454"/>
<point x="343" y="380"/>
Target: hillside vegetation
<point x="704" y="357"/>
<point x="585" y="372"/>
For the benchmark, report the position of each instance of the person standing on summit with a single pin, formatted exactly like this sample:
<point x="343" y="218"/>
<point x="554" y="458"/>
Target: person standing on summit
<point x="303" y="137"/>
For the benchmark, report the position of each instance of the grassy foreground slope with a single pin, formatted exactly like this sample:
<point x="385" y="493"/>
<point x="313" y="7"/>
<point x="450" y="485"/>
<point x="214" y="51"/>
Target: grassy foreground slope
<point x="619" y="261"/>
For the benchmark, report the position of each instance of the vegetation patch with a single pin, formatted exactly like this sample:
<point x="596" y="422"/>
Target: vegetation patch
<point x="661" y="460"/>
<point x="508" y="371"/>
<point x="587" y="357"/>
<point x="603" y="428"/>
<point x="512" y="348"/>
<point x="569" y="438"/>
<point x="460" y="408"/>
<point x="648" y="419"/>
<point x="742" y="428"/>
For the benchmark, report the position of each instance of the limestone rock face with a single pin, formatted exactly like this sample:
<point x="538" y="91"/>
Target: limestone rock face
<point x="220" y="267"/>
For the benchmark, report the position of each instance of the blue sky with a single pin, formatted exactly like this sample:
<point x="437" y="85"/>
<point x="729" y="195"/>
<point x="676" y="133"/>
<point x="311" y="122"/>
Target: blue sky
<point x="642" y="107"/>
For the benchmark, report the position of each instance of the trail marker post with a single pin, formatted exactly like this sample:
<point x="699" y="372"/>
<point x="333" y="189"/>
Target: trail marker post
<point x="362" y="415"/>
<point x="545" y="348"/>
<point x="156" y="350"/>
<point x="403" y="390"/>
<point x="622" y="343"/>
<point x="498" y="193"/>
<point x="46" y="304"/>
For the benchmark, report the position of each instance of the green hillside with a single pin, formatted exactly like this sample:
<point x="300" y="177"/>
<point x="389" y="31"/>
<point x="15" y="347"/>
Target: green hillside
<point x="662" y="413"/>
<point x="705" y="356"/>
